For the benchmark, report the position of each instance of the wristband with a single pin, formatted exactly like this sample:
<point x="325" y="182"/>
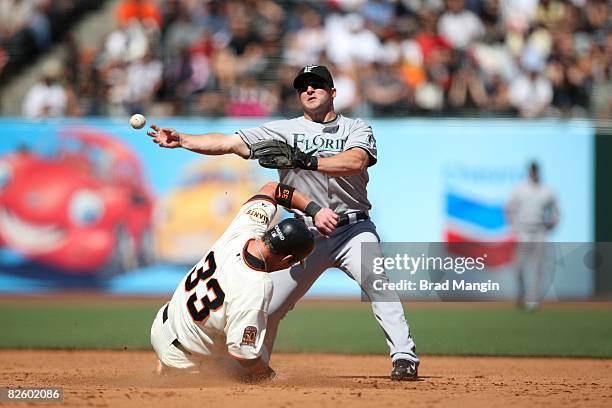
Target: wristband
<point x="284" y="194"/>
<point x="312" y="164"/>
<point x="306" y="161"/>
<point x="312" y="209"/>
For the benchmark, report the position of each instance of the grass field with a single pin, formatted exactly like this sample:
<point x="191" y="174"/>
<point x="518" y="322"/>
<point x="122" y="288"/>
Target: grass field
<point x="578" y="330"/>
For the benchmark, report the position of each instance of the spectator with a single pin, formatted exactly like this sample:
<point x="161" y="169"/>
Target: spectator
<point x="498" y="94"/>
<point x="379" y="12"/>
<point x="242" y="36"/>
<point x="527" y="57"/>
<point x="249" y="98"/>
<point x="307" y="43"/>
<point x="518" y="14"/>
<point x="597" y="19"/>
<point x="569" y="90"/>
<point x="460" y="27"/>
<point x="383" y="90"/>
<point x="429" y="96"/>
<point x="48" y="97"/>
<point x="180" y="34"/>
<point x="430" y="41"/>
<point x="551" y="12"/>
<point x="467" y="90"/>
<point x="145" y="11"/>
<point x="354" y="42"/>
<point x="490" y="15"/>
<point x="143" y="79"/>
<point x="265" y="14"/>
<point x="127" y="43"/>
<point x="14" y="16"/>
<point x="531" y="92"/>
<point x="289" y="104"/>
<point x="347" y="97"/>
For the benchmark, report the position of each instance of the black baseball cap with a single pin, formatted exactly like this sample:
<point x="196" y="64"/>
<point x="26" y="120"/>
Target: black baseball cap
<point x="318" y="71"/>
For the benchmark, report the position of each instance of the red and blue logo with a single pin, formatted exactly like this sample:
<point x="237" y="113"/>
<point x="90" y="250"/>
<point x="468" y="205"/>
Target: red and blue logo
<point x="475" y="228"/>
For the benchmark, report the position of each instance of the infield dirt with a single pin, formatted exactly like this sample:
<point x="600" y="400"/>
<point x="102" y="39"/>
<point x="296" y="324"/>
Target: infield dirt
<point x="126" y="379"/>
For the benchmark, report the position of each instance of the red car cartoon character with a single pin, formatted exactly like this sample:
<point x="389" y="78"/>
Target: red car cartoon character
<point x="86" y="209"/>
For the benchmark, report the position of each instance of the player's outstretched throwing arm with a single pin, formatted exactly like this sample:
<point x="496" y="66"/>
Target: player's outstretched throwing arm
<point x="213" y="144"/>
<point x="272" y="150"/>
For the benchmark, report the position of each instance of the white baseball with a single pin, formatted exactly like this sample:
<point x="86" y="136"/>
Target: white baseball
<point x="138" y="121"/>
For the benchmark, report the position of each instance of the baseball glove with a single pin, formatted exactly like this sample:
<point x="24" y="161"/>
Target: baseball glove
<point x="276" y="154"/>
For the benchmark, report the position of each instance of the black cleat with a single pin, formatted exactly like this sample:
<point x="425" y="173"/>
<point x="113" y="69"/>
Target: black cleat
<point x="404" y="370"/>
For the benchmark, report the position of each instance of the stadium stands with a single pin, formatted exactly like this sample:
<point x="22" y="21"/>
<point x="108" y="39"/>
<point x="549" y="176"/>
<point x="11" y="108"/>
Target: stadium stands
<point x="30" y="27"/>
<point x="429" y="57"/>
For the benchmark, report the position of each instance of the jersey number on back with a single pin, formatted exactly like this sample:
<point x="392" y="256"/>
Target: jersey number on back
<point x="202" y="314"/>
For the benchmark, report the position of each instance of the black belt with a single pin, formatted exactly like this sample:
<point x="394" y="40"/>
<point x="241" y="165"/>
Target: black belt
<point x="344" y="218"/>
<point x="175" y="342"/>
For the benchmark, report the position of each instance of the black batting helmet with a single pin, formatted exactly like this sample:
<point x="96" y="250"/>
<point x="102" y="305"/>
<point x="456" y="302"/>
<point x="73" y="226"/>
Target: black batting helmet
<point x="290" y="237"/>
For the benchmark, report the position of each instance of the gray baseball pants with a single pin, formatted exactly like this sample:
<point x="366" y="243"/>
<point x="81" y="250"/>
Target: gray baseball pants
<point x="342" y="250"/>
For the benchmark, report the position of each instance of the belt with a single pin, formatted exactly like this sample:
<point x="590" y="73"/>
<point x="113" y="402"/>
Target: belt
<point x="175" y="342"/>
<point x="345" y="219"/>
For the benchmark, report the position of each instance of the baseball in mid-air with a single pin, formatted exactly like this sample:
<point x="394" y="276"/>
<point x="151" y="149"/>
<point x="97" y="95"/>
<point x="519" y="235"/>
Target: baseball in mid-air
<point x="138" y="121"/>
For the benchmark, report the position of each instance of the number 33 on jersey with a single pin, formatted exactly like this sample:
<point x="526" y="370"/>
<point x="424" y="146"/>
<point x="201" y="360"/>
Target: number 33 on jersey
<point x="222" y="303"/>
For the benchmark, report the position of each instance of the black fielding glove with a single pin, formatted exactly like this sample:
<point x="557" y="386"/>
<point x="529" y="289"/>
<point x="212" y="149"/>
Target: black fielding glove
<point x="305" y="161"/>
<point x="276" y="154"/>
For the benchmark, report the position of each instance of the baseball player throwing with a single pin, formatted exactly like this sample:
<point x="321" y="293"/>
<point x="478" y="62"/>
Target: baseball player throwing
<point x="325" y="155"/>
<point x="222" y="303"/>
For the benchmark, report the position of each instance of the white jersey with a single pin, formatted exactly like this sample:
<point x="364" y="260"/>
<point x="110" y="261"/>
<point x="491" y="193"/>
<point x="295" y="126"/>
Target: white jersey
<point x="221" y="305"/>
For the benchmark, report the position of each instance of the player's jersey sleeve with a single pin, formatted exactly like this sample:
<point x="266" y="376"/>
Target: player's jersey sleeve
<point x="253" y="218"/>
<point x="247" y="316"/>
<point x="245" y="333"/>
<point x="267" y="131"/>
<point x="361" y="136"/>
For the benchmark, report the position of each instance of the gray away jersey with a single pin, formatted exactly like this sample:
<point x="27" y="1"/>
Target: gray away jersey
<point x="343" y="194"/>
<point x="532" y="206"/>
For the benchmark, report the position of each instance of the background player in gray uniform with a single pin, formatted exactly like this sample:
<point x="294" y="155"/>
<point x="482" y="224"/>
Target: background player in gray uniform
<point x="335" y="153"/>
<point x="532" y="212"/>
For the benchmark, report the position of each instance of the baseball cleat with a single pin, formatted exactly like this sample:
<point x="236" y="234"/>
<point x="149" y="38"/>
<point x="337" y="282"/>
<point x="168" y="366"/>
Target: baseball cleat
<point x="404" y="370"/>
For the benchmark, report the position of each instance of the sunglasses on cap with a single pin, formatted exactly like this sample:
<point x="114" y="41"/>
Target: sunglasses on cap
<point x="315" y="84"/>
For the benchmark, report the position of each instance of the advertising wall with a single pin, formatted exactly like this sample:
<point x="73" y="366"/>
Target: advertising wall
<point x="95" y="204"/>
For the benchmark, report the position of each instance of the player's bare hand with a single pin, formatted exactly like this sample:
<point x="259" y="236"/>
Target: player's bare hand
<point x="165" y="137"/>
<point x="326" y="220"/>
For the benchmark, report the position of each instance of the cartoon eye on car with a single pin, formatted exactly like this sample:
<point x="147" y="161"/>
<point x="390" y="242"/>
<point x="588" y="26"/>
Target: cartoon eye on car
<point x="84" y="210"/>
<point x="192" y="216"/>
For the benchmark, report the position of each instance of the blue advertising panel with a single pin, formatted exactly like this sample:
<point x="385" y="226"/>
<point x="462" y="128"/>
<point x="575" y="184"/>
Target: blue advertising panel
<point x="95" y="204"/>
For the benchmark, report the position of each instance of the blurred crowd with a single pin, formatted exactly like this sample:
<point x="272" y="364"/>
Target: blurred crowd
<point x="29" y="27"/>
<point x="529" y="58"/>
